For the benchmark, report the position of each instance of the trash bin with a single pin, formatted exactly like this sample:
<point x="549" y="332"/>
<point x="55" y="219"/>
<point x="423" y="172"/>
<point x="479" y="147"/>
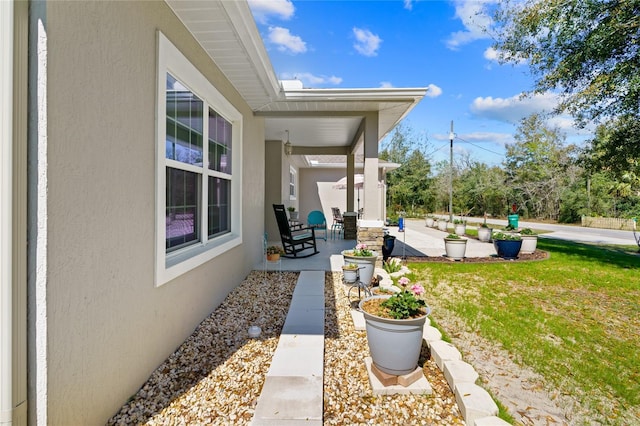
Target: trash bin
<point x="401" y="224"/>
<point x="513" y="220"/>
<point x="387" y="247"/>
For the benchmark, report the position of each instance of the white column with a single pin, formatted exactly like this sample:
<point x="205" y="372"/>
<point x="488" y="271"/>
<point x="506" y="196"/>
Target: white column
<point x="6" y="209"/>
<point x="372" y="211"/>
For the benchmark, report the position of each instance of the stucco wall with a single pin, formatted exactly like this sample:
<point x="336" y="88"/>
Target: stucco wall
<point x="108" y="326"/>
<point x="318" y="192"/>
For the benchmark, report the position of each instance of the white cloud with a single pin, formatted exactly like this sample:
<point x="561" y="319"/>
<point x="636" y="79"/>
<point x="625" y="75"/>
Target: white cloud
<point x="433" y="91"/>
<point x="500" y="139"/>
<point x="311" y="80"/>
<point x="513" y="109"/>
<point x="263" y="9"/>
<point x="475" y="17"/>
<point x="386" y="84"/>
<point x="408" y="4"/>
<point x="367" y="43"/>
<point x="286" y="41"/>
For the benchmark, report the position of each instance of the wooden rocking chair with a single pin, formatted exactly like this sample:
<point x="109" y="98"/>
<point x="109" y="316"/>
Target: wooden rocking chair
<point x="294" y="240"/>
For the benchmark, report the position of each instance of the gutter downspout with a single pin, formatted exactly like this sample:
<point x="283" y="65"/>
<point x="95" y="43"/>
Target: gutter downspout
<point x="6" y="209"/>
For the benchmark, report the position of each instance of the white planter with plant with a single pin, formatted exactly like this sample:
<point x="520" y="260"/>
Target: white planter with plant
<point x="459" y="227"/>
<point x="293" y="214"/>
<point x="350" y="272"/>
<point x="529" y="241"/>
<point x="394" y="327"/>
<point x="484" y="233"/>
<point x="455" y="246"/>
<point x="364" y="258"/>
<point x="442" y="225"/>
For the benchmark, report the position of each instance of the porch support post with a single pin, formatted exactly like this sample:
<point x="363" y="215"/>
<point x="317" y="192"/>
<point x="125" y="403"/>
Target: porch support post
<point x="350" y="181"/>
<point x="372" y="209"/>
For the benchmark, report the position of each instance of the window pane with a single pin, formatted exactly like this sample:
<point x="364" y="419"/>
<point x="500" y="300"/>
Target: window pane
<point x="183" y="200"/>
<point x="219" y="143"/>
<point x="219" y="206"/>
<point x="184" y="124"/>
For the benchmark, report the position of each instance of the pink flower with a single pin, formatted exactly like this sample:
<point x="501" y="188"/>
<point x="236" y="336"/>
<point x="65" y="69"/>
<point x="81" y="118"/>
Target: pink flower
<point x="361" y="246"/>
<point x="403" y="281"/>
<point x="417" y="289"/>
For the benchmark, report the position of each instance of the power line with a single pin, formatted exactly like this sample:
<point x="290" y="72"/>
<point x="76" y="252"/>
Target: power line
<point x="478" y="146"/>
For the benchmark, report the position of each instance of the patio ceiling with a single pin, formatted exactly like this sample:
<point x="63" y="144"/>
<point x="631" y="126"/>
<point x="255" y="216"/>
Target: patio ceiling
<point x="319" y="121"/>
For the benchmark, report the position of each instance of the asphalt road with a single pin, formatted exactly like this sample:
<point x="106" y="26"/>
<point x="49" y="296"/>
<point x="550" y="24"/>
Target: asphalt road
<point x="571" y="232"/>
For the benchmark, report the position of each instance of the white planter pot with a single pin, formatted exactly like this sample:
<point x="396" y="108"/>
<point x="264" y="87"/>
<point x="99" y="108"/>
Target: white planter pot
<point x="442" y="225"/>
<point x="293" y="215"/>
<point x="529" y="244"/>
<point x="484" y="234"/>
<point x="454" y="248"/>
<point x="460" y="228"/>
<point x="350" y="275"/>
<point x="429" y="222"/>
<point x="394" y="344"/>
<point x="367" y="264"/>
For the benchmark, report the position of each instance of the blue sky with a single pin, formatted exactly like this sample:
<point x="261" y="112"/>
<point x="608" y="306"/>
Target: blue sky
<point x="438" y="44"/>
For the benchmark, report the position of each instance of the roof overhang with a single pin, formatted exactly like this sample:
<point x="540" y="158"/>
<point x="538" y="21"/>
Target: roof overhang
<point x="318" y="121"/>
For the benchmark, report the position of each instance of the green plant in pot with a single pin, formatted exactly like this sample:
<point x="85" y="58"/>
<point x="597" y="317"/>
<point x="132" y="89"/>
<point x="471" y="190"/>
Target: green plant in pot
<point x="455" y="246"/>
<point x="507" y="244"/>
<point x="484" y="232"/>
<point x="394" y="327"/>
<point x="293" y="214"/>
<point x="350" y="272"/>
<point x="529" y="241"/>
<point x="365" y="258"/>
<point x="274" y="253"/>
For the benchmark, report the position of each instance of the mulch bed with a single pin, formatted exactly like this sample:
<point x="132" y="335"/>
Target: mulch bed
<point x="537" y="255"/>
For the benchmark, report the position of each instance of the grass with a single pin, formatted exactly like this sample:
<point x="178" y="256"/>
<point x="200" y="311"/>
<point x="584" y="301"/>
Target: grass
<point x="574" y="318"/>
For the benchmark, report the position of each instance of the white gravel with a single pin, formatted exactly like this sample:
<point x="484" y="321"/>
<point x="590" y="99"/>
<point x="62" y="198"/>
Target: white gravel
<point x="216" y="375"/>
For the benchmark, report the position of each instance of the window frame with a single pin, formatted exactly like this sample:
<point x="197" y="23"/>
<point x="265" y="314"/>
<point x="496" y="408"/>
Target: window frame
<point x="173" y="264"/>
<point x="293" y="183"/>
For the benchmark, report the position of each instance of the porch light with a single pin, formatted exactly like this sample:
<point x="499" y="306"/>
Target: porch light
<point x="288" y="148"/>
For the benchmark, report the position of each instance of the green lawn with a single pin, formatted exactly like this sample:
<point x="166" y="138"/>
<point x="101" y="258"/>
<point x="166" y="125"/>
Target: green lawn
<point x="574" y="318"/>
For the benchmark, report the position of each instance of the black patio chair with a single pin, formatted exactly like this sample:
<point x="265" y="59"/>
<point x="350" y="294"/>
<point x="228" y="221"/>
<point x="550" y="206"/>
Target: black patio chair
<point x="294" y="240"/>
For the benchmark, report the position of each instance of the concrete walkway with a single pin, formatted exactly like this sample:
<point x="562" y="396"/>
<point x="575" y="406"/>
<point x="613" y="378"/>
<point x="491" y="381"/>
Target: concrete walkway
<point x="292" y="392"/>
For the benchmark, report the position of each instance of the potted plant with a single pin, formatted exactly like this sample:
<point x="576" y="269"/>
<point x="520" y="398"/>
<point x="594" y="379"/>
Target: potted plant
<point x="394" y="327"/>
<point x="350" y="272"/>
<point x="459" y="226"/>
<point x="484" y="232"/>
<point x="429" y="221"/>
<point x="274" y="253"/>
<point x="455" y="246"/>
<point x="365" y="258"/>
<point x="442" y="224"/>
<point x="293" y="214"/>
<point x="529" y="241"/>
<point x="507" y="245"/>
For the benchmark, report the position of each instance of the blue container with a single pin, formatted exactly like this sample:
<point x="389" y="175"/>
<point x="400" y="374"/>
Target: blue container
<point x="401" y="224"/>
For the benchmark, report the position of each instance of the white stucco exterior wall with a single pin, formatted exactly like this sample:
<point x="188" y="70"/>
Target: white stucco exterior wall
<point x="108" y="327"/>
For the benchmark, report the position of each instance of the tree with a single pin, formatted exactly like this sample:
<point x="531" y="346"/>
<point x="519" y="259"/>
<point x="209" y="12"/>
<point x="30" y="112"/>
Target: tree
<point x="539" y="167"/>
<point x="589" y="50"/>
<point x="409" y="186"/>
<point x="615" y="148"/>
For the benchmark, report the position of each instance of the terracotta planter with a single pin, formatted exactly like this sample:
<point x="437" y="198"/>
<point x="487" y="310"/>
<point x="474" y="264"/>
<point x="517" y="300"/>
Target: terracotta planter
<point x="529" y="243"/>
<point x="273" y="257"/>
<point x="394" y="344"/>
<point x="484" y="234"/>
<point x="367" y="264"/>
<point x="455" y="248"/>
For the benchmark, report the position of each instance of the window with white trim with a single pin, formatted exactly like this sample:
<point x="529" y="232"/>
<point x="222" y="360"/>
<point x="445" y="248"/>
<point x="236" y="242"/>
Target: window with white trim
<point x="198" y="170"/>
<point x="292" y="183"/>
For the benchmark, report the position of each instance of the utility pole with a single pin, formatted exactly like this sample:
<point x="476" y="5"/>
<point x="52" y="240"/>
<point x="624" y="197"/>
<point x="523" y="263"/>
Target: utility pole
<point x="451" y="136"/>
